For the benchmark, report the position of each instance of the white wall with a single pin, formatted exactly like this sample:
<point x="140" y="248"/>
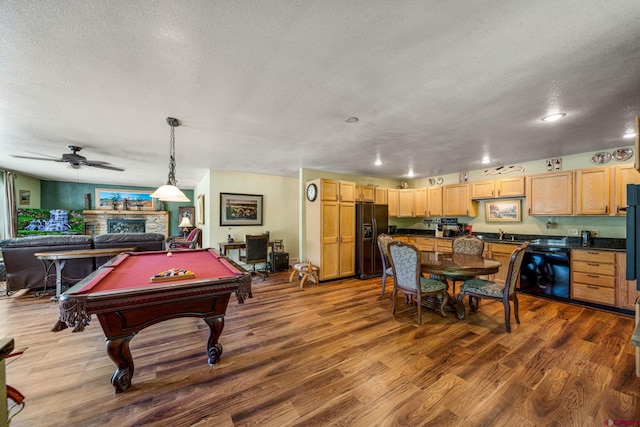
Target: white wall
<point x="280" y="207"/>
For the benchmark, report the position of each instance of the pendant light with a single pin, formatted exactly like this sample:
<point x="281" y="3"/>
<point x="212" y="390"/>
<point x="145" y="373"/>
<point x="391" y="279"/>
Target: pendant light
<point x="169" y="192"/>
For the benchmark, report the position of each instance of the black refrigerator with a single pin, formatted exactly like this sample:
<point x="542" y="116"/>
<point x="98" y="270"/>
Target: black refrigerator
<point x="633" y="233"/>
<point x="371" y="221"/>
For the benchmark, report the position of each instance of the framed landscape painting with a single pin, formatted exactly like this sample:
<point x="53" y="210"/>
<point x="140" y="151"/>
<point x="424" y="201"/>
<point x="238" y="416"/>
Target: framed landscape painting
<point x="504" y="211"/>
<point x="113" y="198"/>
<point x="240" y="209"/>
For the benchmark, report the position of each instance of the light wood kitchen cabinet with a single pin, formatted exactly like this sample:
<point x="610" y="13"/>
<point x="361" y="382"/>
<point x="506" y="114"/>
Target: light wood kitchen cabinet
<point x="593" y="276"/>
<point x="333" y="190"/>
<point x="510" y="187"/>
<point x="456" y="201"/>
<point x="483" y="189"/>
<point x="501" y="252"/>
<point x="623" y="175"/>
<point x="550" y="194"/>
<point x="426" y="243"/>
<point x="420" y="202"/>
<point x="392" y="201"/>
<point x="330" y="229"/>
<point x="407" y="239"/>
<point x="444" y="245"/>
<point x="380" y="196"/>
<point x="626" y="291"/>
<point x="434" y="201"/>
<point x="593" y="191"/>
<point x="503" y="187"/>
<point x="405" y="203"/>
<point x="365" y="193"/>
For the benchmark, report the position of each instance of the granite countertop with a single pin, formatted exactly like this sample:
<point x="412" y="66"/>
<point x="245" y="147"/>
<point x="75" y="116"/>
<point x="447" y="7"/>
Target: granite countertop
<point x="605" y="244"/>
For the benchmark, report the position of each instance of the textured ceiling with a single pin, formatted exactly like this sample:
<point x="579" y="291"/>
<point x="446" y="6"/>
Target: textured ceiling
<point x="265" y="86"/>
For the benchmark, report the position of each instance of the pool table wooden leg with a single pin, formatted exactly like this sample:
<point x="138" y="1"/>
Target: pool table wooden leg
<point x="214" y="350"/>
<point x="118" y="351"/>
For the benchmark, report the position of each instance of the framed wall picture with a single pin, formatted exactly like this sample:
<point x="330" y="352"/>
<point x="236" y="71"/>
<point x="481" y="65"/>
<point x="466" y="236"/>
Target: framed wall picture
<point x="200" y="210"/>
<point x="504" y="211"/>
<point x="188" y="212"/>
<point x="240" y="209"/>
<point x="113" y="198"/>
<point x="25" y="197"/>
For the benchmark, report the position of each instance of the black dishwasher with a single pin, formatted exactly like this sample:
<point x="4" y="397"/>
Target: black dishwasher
<point x="545" y="271"/>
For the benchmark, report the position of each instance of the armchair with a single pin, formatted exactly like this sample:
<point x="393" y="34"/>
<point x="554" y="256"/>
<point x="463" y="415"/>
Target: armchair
<point x="192" y="241"/>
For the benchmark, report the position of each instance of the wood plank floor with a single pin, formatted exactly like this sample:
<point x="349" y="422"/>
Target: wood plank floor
<point x="333" y="355"/>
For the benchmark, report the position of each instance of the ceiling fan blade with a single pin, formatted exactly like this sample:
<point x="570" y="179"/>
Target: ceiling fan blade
<point x="52" y="159"/>
<point x="102" y="165"/>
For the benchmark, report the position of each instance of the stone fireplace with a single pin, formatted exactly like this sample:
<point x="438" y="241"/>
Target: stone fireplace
<point x="111" y="221"/>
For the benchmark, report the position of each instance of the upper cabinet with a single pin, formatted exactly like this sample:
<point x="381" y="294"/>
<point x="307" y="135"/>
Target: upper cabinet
<point x="456" y="201"/>
<point x="380" y="196"/>
<point x="503" y="187"/>
<point x="392" y="201"/>
<point x="365" y="193"/>
<point x="405" y="203"/>
<point x="342" y="191"/>
<point x="593" y="191"/>
<point x="434" y="201"/>
<point x="550" y="194"/>
<point x="623" y="175"/>
<point x="420" y="202"/>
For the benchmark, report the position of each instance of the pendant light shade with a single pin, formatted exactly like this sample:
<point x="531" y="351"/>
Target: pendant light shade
<point x="169" y="192"/>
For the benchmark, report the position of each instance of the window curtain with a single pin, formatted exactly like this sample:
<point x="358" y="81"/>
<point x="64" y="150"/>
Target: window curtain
<point x="11" y="218"/>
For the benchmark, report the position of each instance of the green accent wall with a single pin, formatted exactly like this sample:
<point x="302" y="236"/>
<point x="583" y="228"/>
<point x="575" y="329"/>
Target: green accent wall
<point x="70" y="195"/>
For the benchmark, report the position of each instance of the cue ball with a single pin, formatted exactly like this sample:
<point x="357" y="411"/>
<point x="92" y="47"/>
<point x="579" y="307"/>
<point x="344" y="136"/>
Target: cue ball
<point x="169" y="254"/>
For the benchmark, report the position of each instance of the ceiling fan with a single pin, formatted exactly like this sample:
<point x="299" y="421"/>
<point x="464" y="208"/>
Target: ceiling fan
<point x="75" y="160"/>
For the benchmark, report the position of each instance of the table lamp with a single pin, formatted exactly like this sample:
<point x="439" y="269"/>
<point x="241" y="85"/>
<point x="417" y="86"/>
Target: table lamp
<point x="185" y="224"/>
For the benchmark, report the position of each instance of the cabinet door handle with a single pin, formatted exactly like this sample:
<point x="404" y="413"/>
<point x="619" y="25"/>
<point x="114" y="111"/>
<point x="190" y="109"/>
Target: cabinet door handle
<point x="606" y="209"/>
<point x="592" y="287"/>
<point x="529" y="211"/>
<point x="593" y="275"/>
<point x="498" y="192"/>
<point x="593" y="264"/>
<point x="593" y="253"/>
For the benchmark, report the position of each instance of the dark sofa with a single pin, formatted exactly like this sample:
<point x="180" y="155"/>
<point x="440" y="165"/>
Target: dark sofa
<point x="24" y="270"/>
<point x="142" y="242"/>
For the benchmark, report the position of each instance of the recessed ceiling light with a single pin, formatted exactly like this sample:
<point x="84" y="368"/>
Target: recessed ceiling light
<point x="485" y="160"/>
<point x="553" y="117"/>
<point x="351" y="119"/>
<point x="378" y="162"/>
<point x="410" y="174"/>
<point x="630" y="134"/>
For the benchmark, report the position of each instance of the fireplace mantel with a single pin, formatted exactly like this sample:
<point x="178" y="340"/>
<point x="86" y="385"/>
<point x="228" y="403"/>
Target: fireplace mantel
<point x="96" y="220"/>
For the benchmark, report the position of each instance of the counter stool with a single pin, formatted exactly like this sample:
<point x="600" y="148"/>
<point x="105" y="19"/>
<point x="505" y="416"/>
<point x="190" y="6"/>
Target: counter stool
<point x="305" y="269"/>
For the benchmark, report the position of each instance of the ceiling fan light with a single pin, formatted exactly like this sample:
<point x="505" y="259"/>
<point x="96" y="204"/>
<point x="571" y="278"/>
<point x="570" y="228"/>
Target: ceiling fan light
<point x="169" y="193"/>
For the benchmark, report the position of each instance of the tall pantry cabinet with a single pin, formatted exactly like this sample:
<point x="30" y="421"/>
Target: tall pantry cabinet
<point x="331" y="227"/>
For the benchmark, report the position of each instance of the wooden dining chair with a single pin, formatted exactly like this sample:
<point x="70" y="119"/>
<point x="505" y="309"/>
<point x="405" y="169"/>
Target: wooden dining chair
<point x="478" y="288"/>
<point x="466" y="245"/>
<point x="387" y="270"/>
<point x="407" y="277"/>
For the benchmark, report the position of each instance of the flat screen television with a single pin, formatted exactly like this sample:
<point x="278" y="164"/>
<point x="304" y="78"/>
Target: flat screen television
<point x="49" y="221"/>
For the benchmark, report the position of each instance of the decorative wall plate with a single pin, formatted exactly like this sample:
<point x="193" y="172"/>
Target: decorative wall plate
<point x="431" y="181"/>
<point x="622" y="154"/>
<point x="601" y="158"/>
<point x="439" y="180"/>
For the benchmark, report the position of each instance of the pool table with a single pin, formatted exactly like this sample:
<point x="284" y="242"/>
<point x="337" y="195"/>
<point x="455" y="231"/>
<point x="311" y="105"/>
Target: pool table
<point x="123" y="296"/>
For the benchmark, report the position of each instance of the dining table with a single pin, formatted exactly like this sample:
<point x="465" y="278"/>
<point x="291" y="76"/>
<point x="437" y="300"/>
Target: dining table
<point x="443" y="265"/>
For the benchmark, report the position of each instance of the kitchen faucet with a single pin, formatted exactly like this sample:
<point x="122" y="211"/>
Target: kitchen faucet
<point x="501" y="234"/>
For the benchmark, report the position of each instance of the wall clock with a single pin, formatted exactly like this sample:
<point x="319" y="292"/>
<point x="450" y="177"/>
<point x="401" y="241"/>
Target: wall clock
<point x="312" y="192"/>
